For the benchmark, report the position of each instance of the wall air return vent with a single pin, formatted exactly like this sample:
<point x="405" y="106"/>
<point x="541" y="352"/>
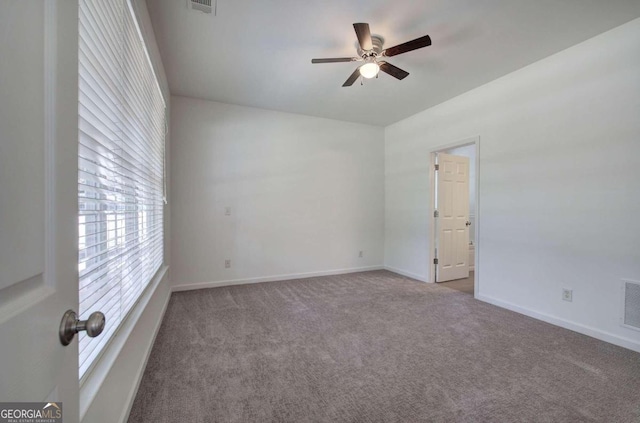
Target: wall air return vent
<point x="201" y="5"/>
<point x="631" y="304"/>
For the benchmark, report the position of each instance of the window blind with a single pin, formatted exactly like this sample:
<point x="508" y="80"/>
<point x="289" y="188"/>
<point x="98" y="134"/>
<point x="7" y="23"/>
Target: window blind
<point x="120" y="168"/>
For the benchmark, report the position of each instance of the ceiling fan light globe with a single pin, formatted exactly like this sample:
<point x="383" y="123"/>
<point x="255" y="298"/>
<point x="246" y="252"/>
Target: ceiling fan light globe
<point x="369" y="70"/>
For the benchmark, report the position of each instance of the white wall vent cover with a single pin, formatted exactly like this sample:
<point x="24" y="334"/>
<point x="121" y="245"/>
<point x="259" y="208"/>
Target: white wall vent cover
<point x="201" y="5"/>
<point x="631" y="304"/>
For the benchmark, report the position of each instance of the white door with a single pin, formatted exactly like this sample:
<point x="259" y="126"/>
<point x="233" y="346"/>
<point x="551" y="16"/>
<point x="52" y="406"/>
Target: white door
<point x="38" y="200"/>
<point x="452" y="238"/>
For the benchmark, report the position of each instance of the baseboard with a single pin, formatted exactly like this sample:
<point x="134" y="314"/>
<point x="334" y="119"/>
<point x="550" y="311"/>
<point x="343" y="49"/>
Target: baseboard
<point x="216" y="284"/>
<point x="407" y="274"/>
<point x="567" y="324"/>
<point x="140" y="372"/>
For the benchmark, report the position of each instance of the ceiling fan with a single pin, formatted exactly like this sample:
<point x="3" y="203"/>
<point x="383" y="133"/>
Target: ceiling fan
<point x="370" y="52"/>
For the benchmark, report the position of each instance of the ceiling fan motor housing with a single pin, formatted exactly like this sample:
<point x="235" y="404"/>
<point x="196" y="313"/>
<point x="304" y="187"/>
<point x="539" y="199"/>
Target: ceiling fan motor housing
<point x="377" y="42"/>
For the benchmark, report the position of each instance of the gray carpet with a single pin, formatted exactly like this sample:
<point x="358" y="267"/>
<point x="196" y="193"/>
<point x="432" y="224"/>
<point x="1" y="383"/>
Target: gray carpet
<point x="374" y="347"/>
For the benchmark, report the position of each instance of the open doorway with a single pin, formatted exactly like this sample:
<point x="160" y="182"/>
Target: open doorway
<point x="454" y="215"/>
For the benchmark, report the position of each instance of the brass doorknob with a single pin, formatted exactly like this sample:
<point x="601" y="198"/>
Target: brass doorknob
<point x="70" y="325"/>
<point x="468" y="223"/>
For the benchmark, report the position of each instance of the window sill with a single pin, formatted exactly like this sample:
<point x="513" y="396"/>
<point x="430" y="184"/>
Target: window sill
<point x="92" y="381"/>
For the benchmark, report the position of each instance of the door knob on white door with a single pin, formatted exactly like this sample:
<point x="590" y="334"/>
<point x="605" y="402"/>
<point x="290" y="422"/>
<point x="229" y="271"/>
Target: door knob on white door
<point x="70" y="325"/>
<point x="468" y="223"/>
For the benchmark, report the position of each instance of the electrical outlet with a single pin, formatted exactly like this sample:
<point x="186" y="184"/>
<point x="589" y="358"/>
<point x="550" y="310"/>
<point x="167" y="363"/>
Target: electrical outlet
<point x="227" y="264"/>
<point x="361" y="254"/>
<point x="227" y="211"/>
<point x="567" y="294"/>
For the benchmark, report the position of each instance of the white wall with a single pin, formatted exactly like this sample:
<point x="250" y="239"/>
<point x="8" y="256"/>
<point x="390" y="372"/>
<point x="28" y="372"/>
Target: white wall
<point x="306" y="194"/>
<point x="559" y="195"/>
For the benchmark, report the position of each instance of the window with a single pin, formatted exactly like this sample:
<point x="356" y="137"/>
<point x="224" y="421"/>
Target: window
<point x="120" y="168"/>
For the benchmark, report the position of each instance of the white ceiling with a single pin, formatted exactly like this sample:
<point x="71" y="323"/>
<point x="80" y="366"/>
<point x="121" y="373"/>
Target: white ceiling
<point x="258" y="53"/>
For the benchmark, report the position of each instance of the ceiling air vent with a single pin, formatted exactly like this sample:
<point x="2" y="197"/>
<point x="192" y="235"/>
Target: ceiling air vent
<point x="201" y="5"/>
<point x="631" y="304"/>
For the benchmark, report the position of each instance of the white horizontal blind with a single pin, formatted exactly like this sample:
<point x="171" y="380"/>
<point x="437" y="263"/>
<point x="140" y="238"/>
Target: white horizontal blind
<point x="121" y="165"/>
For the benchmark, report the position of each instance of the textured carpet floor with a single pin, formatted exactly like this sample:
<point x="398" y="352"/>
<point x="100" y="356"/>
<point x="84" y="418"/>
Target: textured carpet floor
<point x="374" y="347"/>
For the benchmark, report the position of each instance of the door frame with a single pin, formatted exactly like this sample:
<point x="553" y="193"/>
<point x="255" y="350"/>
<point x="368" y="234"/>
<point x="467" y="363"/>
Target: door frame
<point x="431" y="233"/>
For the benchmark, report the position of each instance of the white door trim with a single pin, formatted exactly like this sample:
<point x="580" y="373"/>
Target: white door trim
<point x="431" y="233"/>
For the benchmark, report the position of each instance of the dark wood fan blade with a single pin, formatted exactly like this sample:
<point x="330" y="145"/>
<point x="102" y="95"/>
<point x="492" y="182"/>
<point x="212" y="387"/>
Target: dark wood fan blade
<point x="354" y="76"/>
<point x="335" y="60"/>
<point x="394" y="71"/>
<point x="408" y="46"/>
<point x="364" y="36"/>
